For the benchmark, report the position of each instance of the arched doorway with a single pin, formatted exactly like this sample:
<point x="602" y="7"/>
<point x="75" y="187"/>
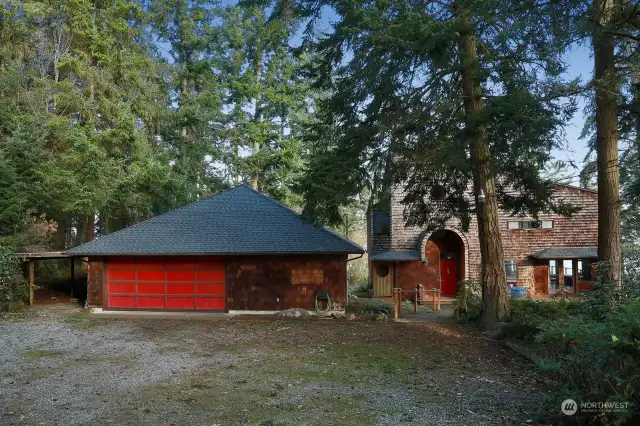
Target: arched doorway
<point x="446" y="248"/>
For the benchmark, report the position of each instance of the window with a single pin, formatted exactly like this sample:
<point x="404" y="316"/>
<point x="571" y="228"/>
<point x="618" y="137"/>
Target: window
<point x="512" y="270"/>
<point x="584" y="269"/>
<point x="553" y="275"/>
<point x="567" y="271"/>
<point x="530" y="224"/>
<point x="382" y="270"/>
<point x="381" y="224"/>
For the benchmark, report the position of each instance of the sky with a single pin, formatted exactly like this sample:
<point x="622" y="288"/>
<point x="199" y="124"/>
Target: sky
<point x="580" y="64"/>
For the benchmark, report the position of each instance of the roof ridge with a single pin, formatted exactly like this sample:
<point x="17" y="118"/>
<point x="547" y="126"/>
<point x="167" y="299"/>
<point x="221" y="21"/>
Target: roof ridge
<point x="290" y="210"/>
<point x="566" y="185"/>
<point x="153" y="217"/>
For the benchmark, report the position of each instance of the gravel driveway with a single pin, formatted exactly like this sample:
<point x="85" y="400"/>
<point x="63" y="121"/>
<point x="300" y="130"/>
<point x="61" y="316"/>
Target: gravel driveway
<point x="60" y="365"/>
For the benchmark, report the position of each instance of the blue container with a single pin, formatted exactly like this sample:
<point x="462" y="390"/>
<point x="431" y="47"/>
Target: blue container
<point x="518" y="292"/>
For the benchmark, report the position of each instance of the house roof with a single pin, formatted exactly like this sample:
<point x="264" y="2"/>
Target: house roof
<point x="397" y="256"/>
<point x="236" y="221"/>
<point x="567" y="253"/>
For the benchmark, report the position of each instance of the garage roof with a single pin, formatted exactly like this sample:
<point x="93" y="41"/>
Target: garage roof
<point x="236" y="221"/>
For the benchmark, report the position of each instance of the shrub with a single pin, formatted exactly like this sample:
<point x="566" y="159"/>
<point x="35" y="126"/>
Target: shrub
<point x="527" y="316"/>
<point x="592" y="346"/>
<point x="12" y="284"/>
<point x="370" y="306"/>
<point x="597" y="359"/>
<point x="468" y="306"/>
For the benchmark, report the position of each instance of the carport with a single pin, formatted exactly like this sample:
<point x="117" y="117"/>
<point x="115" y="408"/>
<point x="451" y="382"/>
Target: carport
<point x="30" y="260"/>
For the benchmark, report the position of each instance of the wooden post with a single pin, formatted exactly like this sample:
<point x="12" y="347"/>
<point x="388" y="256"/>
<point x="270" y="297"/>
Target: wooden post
<point x="32" y="278"/>
<point x="439" y="294"/>
<point x="73" y="276"/>
<point x="433" y="300"/>
<point x="395" y="304"/>
<point x="415" y="301"/>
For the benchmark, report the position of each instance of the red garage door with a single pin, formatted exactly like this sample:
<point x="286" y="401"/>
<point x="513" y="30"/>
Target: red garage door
<point x="166" y="283"/>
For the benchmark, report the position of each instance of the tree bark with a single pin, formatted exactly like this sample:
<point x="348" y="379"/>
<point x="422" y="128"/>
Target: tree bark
<point x="495" y="301"/>
<point x="257" y="115"/>
<point x="90" y="228"/>
<point x="606" y="88"/>
<point x="64" y="226"/>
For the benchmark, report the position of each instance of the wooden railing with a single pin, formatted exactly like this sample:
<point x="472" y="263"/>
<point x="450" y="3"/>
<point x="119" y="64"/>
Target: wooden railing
<point x="419" y="294"/>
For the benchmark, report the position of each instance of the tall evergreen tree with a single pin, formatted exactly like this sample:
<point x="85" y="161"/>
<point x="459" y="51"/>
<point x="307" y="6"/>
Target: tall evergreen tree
<point x="267" y="98"/>
<point x="442" y="97"/>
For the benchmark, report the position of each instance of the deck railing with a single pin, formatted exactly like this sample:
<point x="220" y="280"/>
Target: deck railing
<point x="419" y="294"/>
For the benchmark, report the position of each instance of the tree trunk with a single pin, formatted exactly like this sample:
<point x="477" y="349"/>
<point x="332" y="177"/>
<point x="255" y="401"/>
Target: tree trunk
<point x="81" y="230"/>
<point x="609" y="238"/>
<point x="495" y="301"/>
<point x="90" y="228"/>
<point x="257" y="115"/>
<point x="64" y="226"/>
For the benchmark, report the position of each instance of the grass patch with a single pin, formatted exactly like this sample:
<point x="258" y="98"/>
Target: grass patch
<point x="36" y="354"/>
<point x="18" y="316"/>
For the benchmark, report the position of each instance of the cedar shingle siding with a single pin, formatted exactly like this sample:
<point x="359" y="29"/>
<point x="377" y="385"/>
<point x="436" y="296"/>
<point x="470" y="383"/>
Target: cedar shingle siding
<point x="580" y="230"/>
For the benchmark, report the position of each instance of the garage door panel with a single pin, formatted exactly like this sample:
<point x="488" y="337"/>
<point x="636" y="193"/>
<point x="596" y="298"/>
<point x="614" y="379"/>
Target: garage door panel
<point x="150" y="262"/>
<point x="151" y="275"/>
<point x="122" y="288"/>
<point x="210" y="303"/>
<point x="118" y="262"/>
<point x="210" y="289"/>
<point x="149" y="302"/>
<point x="179" y="283"/>
<point x="210" y="275"/>
<point x="180" y="275"/>
<point x="151" y="288"/>
<point x="179" y="262"/>
<point x="180" y="303"/>
<point x="122" y="301"/>
<point x="180" y="288"/>
<point x="209" y="262"/>
<point x="122" y="274"/>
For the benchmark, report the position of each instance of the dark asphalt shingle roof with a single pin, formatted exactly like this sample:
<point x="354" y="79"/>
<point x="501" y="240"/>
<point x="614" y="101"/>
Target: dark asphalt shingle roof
<point x="567" y="253"/>
<point x="237" y="221"/>
<point x="397" y="256"/>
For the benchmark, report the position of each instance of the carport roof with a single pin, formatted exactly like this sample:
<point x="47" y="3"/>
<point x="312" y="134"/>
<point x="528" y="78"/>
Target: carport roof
<point x="566" y="253"/>
<point x="397" y="256"/>
<point x="236" y="221"/>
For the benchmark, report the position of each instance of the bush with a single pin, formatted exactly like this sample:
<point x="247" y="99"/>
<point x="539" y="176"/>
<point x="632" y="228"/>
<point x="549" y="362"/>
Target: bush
<point x="599" y="360"/>
<point x="591" y="345"/>
<point x="12" y="285"/>
<point x="370" y="306"/>
<point x="468" y="306"/>
<point x="527" y="316"/>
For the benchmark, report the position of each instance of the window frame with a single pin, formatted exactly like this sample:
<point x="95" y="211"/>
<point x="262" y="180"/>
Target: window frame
<point x="514" y="263"/>
<point x="525" y="225"/>
<point x="583" y="272"/>
<point x="381" y="223"/>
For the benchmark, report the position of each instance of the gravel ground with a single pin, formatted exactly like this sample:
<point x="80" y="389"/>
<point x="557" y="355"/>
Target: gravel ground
<point x="59" y="365"/>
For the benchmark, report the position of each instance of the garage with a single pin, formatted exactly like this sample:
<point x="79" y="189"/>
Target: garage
<point x="173" y="283"/>
<point x="237" y="250"/>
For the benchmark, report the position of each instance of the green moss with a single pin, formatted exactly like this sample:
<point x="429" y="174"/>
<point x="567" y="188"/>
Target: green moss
<point x="35" y="354"/>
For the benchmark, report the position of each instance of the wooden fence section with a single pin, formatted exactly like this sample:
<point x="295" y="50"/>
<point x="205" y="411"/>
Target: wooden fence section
<point x="419" y="295"/>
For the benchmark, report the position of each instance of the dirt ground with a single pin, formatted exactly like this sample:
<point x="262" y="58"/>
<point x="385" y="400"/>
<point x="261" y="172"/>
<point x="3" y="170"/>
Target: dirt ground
<point x="60" y="365"/>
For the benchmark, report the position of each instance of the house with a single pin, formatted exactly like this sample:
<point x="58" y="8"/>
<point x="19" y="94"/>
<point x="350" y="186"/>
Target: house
<point x="543" y="255"/>
<point x="234" y="251"/>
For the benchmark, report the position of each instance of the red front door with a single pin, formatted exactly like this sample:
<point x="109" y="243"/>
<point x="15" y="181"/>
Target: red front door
<point x="448" y="277"/>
